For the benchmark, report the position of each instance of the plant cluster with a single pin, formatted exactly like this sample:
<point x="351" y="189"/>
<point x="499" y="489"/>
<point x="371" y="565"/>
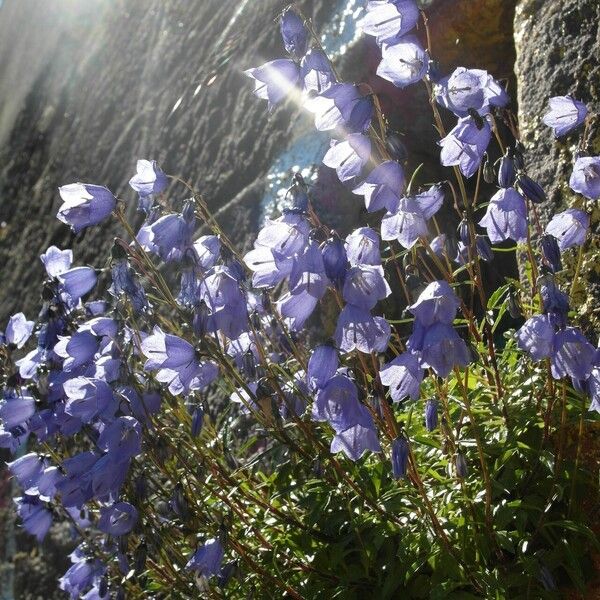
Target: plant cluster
<point x="202" y="443"/>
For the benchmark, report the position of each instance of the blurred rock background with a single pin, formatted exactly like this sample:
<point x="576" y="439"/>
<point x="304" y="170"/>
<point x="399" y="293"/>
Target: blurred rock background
<point x="89" y="86"/>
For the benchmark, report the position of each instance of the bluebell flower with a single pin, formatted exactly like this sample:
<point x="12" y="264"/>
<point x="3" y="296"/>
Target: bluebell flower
<point x="569" y="228"/>
<point x="118" y="519"/>
<point x="56" y="261"/>
<point x="403" y="375"/>
<point x="465" y="145"/>
<point x="124" y="282"/>
<point x="365" y="285"/>
<point x="27" y="469"/>
<point x="389" y="21"/>
<point x="85" y="205"/>
<point x="34" y="514"/>
<point x="506" y="216"/>
<point x="87" y="398"/>
<point x="81" y="574"/>
<point x="536" y="336"/>
<point x="294" y="33"/>
<point x="122" y="438"/>
<point x="564" y="114"/>
<point x="470" y="89"/>
<point x="438" y="244"/>
<point x="551" y="252"/>
<point x="316" y="71"/>
<point x="442" y="349"/>
<point x="355" y="441"/>
<point x="430" y="200"/>
<point x="357" y="329"/>
<point x="207" y="559"/>
<point x="585" y="178"/>
<point x="268" y="267"/>
<point x="337" y="403"/>
<point x="149" y="181"/>
<point x="348" y="157"/>
<point x="171" y="235"/>
<point x="275" y="81"/>
<point x="406" y="223"/>
<point x="18" y="330"/>
<point x="404" y="62"/>
<point x="400" y="455"/>
<point x="16" y="408"/>
<point x="77" y="350"/>
<point x="572" y="355"/>
<point x="76" y="283"/>
<point x="431" y="414"/>
<point x="362" y="247"/>
<point x="176" y="363"/>
<point x="285" y="236"/>
<point x="436" y="304"/>
<point x="382" y="187"/>
<point x="341" y="106"/>
<point x="322" y="366"/>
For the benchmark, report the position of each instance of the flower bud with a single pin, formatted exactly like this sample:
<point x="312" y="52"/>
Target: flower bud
<point x="334" y="259"/>
<point x="551" y="252"/>
<point x="488" y="171"/>
<point x="531" y="189"/>
<point x="463" y="232"/>
<point x="484" y="250"/>
<point x="513" y="305"/>
<point x="506" y="171"/>
<point x="395" y="147"/>
<point x="400" y="452"/>
<point x="431" y="414"/>
<point x="197" y="421"/>
<point x="461" y="465"/>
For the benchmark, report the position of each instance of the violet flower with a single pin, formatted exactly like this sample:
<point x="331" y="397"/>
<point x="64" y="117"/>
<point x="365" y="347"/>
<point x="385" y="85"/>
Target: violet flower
<point x="564" y="114"/>
<point x="294" y="33"/>
<point x="389" y="21"/>
<point x="349" y="157"/>
<point x="207" y="559"/>
<point x="405" y="224"/>
<point x="403" y="375"/>
<point x="382" y="187"/>
<point x="149" y="181"/>
<point x="572" y="355"/>
<point x="465" y="145"/>
<point x="362" y="247"/>
<point x="357" y="329"/>
<point x="536" y="336"/>
<point x="118" y="519"/>
<point x="585" y="178"/>
<point x="365" y="285"/>
<point x="404" y="62"/>
<point x="84" y="205"/>
<point x="506" y="216"/>
<point x="569" y="228"/>
<point x="275" y="80"/>
<point x="18" y="330"/>
<point x="436" y="304"/>
<point x="316" y="72"/>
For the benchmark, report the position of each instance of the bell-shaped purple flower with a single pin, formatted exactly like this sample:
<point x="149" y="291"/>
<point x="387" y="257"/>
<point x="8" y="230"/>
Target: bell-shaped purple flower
<point x="88" y="398"/>
<point x="207" y="559"/>
<point x="404" y="62"/>
<point x="569" y="228"/>
<point x="383" y="187"/>
<point x="149" y="180"/>
<point x="430" y="201"/>
<point x="506" y="171"/>
<point x="27" y="469"/>
<point x="572" y="355"/>
<point x="285" y="236"/>
<point x="337" y="403"/>
<point x="465" y="145"/>
<point x="365" y="285"/>
<point x="362" y="247"/>
<point x="274" y="81"/>
<point x="531" y="189"/>
<point x="322" y="366"/>
<point x="436" y="304"/>
<point x="358" y="329"/>
<point x="405" y="224"/>
<point x="585" y="178"/>
<point x="294" y="33"/>
<point x="176" y="363"/>
<point x="389" y="21"/>
<point x="355" y="441"/>
<point x="506" y="216"/>
<point x="56" y="261"/>
<point x="536" y="336"/>
<point x="443" y="349"/>
<point x="84" y="205"/>
<point x="341" y="106"/>
<point x="349" y="157"/>
<point x="316" y="71"/>
<point x="18" y="330"/>
<point x="555" y="302"/>
<point x="564" y="114"/>
<point x="16" y="409"/>
<point x="35" y="515"/>
<point x="122" y="438"/>
<point x="77" y="350"/>
<point x="118" y="519"/>
<point x="470" y="89"/>
<point x="124" y="282"/>
<point x="403" y="375"/>
<point x="77" y="282"/>
<point x="400" y="455"/>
